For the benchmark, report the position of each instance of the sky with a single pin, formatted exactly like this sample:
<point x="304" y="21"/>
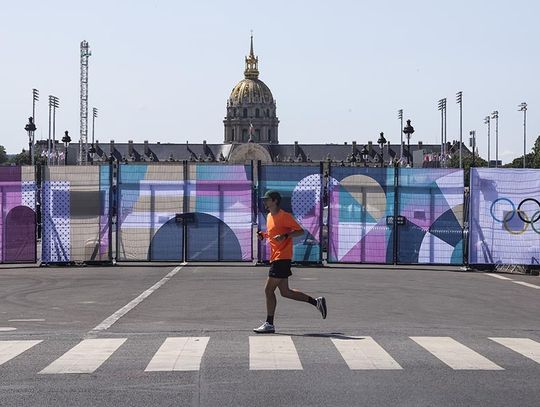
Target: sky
<point x="162" y="70"/>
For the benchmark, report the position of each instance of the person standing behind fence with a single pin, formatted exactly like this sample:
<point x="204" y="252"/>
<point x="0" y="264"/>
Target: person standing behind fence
<point x="281" y="228"/>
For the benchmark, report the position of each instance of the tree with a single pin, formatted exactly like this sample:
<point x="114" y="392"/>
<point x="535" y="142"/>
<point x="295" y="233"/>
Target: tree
<point x="21" y="159"/>
<point x="3" y="155"/>
<point x="467" y="161"/>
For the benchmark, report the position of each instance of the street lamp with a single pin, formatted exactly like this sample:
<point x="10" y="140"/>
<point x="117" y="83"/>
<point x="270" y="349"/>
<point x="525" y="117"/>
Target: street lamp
<point x="382" y="141"/>
<point x="523" y="108"/>
<point x="487" y="120"/>
<point x="472" y="143"/>
<point x="408" y="130"/>
<point x="66" y="140"/>
<point x="459" y="101"/>
<point x="400" y="117"/>
<point x="495" y="115"/>
<point x="365" y="154"/>
<point x="442" y="108"/>
<point x="30" y="128"/>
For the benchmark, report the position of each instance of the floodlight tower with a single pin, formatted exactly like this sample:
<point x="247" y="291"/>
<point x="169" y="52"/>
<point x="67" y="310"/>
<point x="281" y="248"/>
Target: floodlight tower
<point x="83" y="142"/>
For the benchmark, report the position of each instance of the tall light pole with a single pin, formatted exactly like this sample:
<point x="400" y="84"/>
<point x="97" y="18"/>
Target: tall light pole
<point x="523" y="108"/>
<point x="35" y="98"/>
<point x="442" y="108"/>
<point x="459" y="101"/>
<point x="381" y="141"/>
<point x="495" y="115"/>
<point x="54" y="103"/>
<point x="400" y="117"/>
<point x="94" y="116"/>
<point x="487" y="120"/>
<point x="408" y="130"/>
<point x="472" y="143"/>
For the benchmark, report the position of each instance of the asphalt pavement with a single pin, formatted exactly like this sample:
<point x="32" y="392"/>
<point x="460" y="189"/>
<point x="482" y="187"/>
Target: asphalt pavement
<point x="169" y="335"/>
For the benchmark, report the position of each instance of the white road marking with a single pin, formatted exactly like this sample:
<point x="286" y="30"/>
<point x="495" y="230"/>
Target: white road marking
<point x="363" y="353"/>
<point x="527" y="284"/>
<point x="273" y="353"/>
<point x="498" y="276"/>
<point x="85" y="357"/>
<point x="525" y="346"/>
<point x="454" y="354"/>
<point x="27" y="320"/>
<point x="178" y="354"/>
<point x="7" y="328"/>
<point x="108" y="322"/>
<point x="10" y="349"/>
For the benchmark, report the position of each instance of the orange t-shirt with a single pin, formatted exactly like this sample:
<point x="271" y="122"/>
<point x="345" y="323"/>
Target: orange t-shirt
<point x="278" y="224"/>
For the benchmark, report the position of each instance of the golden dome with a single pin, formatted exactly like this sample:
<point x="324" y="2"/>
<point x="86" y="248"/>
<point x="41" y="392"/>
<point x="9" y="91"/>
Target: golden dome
<point x="251" y="91"/>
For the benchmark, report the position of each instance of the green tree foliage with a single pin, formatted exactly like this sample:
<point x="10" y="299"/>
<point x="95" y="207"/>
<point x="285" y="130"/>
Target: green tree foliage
<point x="21" y="159"/>
<point x="3" y="155"/>
<point x="467" y="164"/>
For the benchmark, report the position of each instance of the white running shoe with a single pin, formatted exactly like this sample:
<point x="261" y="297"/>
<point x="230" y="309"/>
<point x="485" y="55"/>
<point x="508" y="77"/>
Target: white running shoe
<point x="265" y="328"/>
<point x="321" y="306"/>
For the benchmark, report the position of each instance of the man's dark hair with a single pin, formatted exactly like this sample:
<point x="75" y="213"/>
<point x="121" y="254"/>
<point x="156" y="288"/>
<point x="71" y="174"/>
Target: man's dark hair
<point x="274" y="196"/>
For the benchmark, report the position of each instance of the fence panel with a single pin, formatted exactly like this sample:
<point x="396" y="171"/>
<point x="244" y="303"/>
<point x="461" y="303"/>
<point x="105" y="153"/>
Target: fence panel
<point x="18" y="215"/>
<point x="149" y="196"/>
<point x="504" y="215"/>
<point x="431" y="200"/>
<point x="360" y="200"/>
<point x="75" y="212"/>
<point x="220" y="205"/>
<point x="301" y="189"/>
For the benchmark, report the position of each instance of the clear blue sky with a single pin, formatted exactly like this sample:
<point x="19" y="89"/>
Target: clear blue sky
<point x="162" y="70"/>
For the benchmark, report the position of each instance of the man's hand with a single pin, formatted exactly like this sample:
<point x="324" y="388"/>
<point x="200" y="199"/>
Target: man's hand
<point x="260" y="235"/>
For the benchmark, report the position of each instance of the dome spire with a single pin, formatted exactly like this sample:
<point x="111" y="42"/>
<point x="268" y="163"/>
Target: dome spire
<point x="252" y="62"/>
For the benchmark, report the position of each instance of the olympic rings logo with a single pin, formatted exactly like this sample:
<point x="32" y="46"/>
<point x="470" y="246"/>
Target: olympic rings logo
<point x="508" y="216"/>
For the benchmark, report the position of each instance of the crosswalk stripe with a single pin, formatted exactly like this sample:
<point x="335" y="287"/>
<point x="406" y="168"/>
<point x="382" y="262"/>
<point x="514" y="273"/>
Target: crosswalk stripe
<point x="273" y="353"/>
<point x="85" y="357"/>
<point x="454" y="354"/>
<point x="525" y="346"/>
<point x="178" y="354"/>
<point x="11" y="349"/>
<point x="363" y="353"/>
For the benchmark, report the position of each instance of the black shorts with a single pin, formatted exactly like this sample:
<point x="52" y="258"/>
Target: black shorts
<point x="280" y="269"/>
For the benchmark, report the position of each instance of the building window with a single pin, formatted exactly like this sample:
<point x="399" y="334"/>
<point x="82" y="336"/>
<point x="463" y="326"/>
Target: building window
<point x="269" y="134"/>
<point x="232" y="134"/>
<point x="234" y="112"/>
<point x="257" y="113"/>
<point x="245" y="112"/>
<point x="267" y="113"/>
<point x="257" y="135"/>
<point x="244" y="135"/>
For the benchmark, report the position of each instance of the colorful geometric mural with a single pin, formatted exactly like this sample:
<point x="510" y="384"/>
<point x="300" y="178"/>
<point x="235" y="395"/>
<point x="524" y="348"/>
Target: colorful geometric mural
<point x="431" y="200"/>
<point x="18" y="214"/>
<point x="360" y="200"/>
<point x="504" y="223"/>
<point x="75" y="214"/>
<point x="153" y="222"/>
<point x="301" y="191"/>
<point x="221" y="200"/>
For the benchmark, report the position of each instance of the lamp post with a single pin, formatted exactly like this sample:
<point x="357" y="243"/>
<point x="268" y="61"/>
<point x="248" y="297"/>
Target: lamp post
<point x="487" y="120"/>
<point x="92" y="150"/>
<point x="523" y="108"/>
<point x="30" y="128"/>
<point x="54" y="103"/>
<point x="66" y="140"/>
<point x="400" y="117"/>
<point x="408" y="130"/>
<point x="442" y="108"/>
<point x="495" y="115"/>
<point x="381" y="141"/>
<point x="459" y="101"/>
<point x="365" y="154"/>
<point x="472" y="143"/>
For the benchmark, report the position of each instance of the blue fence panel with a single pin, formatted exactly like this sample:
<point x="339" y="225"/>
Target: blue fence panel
<point x="301" y="189"/>
<point x="504" y="222"/>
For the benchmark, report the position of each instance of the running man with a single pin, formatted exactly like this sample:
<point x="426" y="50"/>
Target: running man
<point x="281" y="228"/>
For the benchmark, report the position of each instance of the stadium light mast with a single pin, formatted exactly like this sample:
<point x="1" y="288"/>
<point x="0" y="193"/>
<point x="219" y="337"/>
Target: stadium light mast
<point x="83" y="141"/>
<point x="400" y="117"/>
<point x="442" y="108"/>
<point x="487" y="120"/>
<point x="459" y="101"/>
<point x="523" y="108"/>
<point x="495" y="115"/>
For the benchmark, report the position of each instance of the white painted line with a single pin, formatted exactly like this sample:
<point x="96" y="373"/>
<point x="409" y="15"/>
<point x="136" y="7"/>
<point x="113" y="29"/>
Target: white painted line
<point x="525" y="346"/>
<point x="10" y="349"/>
<point x="527" y="284"/>
<point x="108" y="322"/>
<point x="273" y="353"/>
<point x="7" y="328"/>
<point x="178" y="354"/>
<point x="27" y="320"/>
<point x="85" y="357"/>
<point x="454" y="354"/>
<point x="498" y="276"/>
<point x="363" y="353"/>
